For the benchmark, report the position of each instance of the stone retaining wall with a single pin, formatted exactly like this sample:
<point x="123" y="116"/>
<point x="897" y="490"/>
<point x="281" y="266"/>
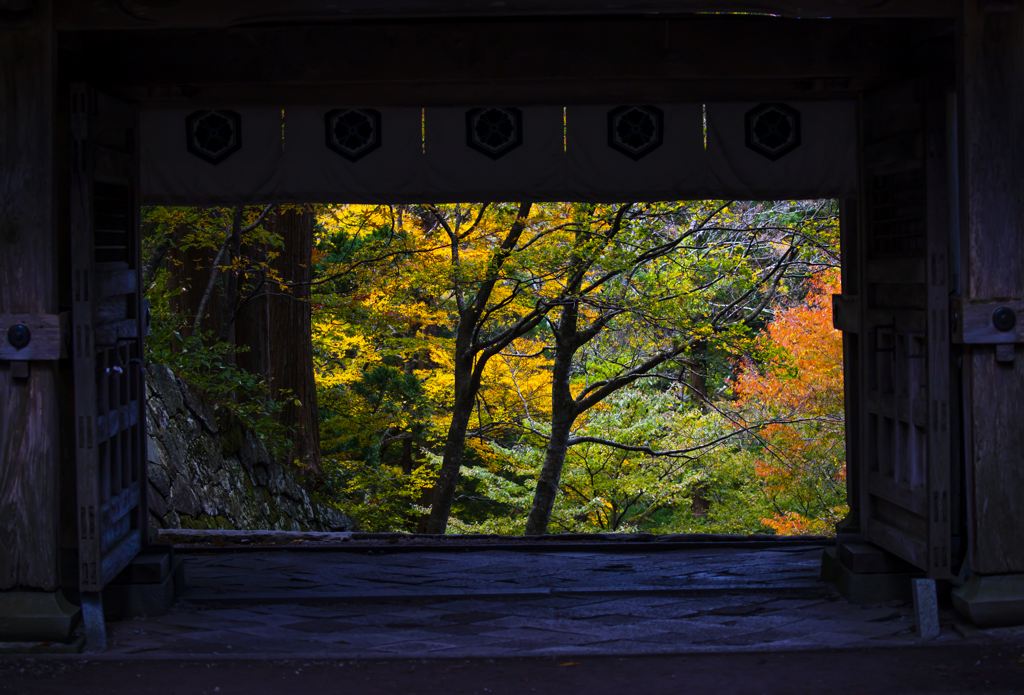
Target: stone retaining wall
<point x="203" y="477"/>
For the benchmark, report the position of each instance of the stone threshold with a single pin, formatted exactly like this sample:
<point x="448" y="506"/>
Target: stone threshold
<point x="332" y="658"/>
<point x="795" y="591"/>
<point x="73" y="645"/>
<point x="196" y="540"/>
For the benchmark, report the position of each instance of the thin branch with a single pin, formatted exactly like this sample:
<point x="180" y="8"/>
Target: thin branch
<point x="211" y="283"/>
<point x="259" y="220"/>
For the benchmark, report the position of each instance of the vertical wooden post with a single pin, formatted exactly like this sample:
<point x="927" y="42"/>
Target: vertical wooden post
<point x="992" y="209"/>
<point x="849" y="244"/>
<point x="991" y="93"/>
<point x="937" y="300"/>
<point x="31" y="605"/>
<point x="29" y="427"/>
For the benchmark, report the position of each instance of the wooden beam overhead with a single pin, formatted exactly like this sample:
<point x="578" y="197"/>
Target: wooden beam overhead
<point x="521" y="61"/>
<point x="155" y="14"/>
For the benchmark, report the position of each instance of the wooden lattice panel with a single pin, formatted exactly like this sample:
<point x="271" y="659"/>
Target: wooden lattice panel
<point x="107" y="334"/>
<point x="905" y="438"/>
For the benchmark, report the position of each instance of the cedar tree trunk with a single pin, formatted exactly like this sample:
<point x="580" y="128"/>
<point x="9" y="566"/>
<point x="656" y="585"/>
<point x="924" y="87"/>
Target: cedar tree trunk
<point x="291" y="348"/>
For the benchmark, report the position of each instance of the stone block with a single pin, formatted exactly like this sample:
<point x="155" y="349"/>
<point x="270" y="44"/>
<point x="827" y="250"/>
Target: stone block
<point x="992" y="601"/>
<point x="865" y="558"/>
<point x="36" y="616"/>
<point x="165" y="384"/>
<point x="158" y="476"/>
<point x="184" y="499"/>
<point x="828" y="566"/>
<point x="873" y="587"/>
<point x="926" y="608"/>
<point x="200" y="409"/>
<point x="146" y="568"/>
<point x="157" y="503"/>
<point x="124" y="601"/>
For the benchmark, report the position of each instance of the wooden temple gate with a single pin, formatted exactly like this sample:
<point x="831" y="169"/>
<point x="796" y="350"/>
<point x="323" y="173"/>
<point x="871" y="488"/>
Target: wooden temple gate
<point x="933" y="241"/>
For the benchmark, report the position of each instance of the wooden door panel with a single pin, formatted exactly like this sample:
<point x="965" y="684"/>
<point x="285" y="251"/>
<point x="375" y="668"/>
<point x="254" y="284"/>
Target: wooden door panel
<point x="904" y="358"/>
<point x="107" y="329"/>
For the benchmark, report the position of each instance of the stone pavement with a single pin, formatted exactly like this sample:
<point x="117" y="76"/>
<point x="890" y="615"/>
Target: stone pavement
<point x="487" y="603"/>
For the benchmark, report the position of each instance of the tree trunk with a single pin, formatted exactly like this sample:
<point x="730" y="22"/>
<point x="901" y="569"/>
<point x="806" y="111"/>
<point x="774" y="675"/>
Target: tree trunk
<point x="190" y="271"/>
<point x="547" y="484"/>
<point x="291" y="348"/>
<point x="451" y="463"/>
<point x="469" y="366"/>
<point x="563" y="415"/>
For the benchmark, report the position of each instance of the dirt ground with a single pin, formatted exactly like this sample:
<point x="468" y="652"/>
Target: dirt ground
<point x="964" y="668"/>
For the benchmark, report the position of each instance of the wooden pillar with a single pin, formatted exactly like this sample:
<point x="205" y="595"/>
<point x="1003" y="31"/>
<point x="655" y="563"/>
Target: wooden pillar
<point x="991" y="96"/>
<point x="29" y="390"/>
<point x="849" y="246"/>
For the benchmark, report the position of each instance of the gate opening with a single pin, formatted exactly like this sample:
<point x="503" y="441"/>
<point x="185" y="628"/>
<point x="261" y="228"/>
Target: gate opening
<point x="659" y="367"/>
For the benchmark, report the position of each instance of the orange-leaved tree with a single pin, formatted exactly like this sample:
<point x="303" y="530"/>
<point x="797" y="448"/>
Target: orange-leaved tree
<point x="796" y="399"/>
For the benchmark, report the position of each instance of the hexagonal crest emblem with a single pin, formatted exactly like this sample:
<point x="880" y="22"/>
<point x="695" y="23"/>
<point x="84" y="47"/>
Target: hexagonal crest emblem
<point x="494" y="131"/>
<point x="213" y="135"/>
<point x="353" y="133"/>
<point x="773" y="130"/>
<point x="635" y="131"/>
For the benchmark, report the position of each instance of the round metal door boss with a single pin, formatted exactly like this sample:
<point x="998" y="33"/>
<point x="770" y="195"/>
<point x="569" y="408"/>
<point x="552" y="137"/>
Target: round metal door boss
<point x="1004" y="319"/>
<point x="18" y="336"/>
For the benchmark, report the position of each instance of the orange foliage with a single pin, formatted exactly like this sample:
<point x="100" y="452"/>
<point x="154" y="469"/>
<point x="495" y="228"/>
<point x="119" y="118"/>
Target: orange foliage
<point x="797" y="397"/>
<point x="809" y="376"/>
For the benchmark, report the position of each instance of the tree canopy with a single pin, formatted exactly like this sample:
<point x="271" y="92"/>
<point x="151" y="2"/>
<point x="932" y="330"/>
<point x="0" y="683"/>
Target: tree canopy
<point x="532" y="367"/>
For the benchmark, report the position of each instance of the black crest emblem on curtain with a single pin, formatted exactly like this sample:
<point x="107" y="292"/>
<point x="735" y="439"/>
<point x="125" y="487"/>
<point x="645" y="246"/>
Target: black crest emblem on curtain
<point x="773" y="130"/>
<point x="635" y="131"/>
<point x="353" y="133"/>
<point x="494" y="131"/>
<point x="213" y="135"/>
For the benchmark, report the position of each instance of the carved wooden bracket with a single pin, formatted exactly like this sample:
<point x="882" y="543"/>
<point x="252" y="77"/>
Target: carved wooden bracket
<point x="27" y="337"/>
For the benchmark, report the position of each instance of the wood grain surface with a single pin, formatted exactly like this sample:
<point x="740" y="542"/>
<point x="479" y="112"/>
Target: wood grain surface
<point x="48" y="336"/>
<point x="992" y="230"/>
<point x="29" y="423"/>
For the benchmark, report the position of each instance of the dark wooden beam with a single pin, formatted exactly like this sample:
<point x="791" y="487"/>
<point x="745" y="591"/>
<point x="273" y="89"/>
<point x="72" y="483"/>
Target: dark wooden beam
<point x="992" y="234"/>
<point x="29" y="416"/>
<point x="450" y="93"/>
<point x="143" y="14"/>
<point x="556" y="61"/>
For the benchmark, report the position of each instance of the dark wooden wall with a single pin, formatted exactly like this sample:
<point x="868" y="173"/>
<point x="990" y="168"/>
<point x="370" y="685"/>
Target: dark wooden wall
<point x="992" y="233"/>
<point x="29" y="421"/>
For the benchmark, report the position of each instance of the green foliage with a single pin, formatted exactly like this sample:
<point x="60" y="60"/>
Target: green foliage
<point x="386" y="316"/>
<point x="605" y="489"/>
<point x="385" y="311"/>
<point x="197" y="358"/>
<point x="378" y="496"/>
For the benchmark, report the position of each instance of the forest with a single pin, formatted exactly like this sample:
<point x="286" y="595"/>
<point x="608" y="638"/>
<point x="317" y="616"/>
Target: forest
<point x="521" y="368"/>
